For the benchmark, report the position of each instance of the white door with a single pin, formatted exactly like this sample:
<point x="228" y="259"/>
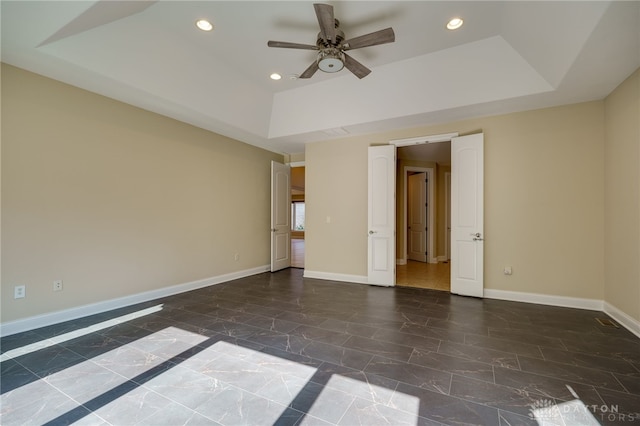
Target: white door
<point x="280" y="216"/>
<point x="467" y="204"/>
<point x="417" y="228"/>
<point x="382" y="215"/>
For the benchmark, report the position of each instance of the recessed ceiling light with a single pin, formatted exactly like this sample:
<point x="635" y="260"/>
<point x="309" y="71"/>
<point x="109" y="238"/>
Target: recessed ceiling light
<point x="204" y="25"/>
<point x="455" y="23"/>
<point x="275" y="76"/>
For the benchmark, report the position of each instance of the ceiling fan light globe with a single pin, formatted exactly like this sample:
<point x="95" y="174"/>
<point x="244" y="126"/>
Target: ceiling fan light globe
<point x="330" y="65"/>
<point x="330" y="60"/>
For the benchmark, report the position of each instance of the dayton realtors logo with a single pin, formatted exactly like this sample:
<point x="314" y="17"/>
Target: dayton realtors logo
<point x="547" y="412"/>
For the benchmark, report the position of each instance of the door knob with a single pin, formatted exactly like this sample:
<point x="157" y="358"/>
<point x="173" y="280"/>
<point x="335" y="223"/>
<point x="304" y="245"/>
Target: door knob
<point x="372" y="232"/>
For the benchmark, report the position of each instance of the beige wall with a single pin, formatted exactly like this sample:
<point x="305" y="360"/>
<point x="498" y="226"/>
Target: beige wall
<point x="544" y="197"/>
<point x="116" y="201"/>
<point x="336" y="207"/>
<point x="295" y="158"/>
<point x="622" y="196"/>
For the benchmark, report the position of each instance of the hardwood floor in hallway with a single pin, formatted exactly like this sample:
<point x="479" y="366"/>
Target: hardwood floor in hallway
<point x="435" y="276"/>
<point x="297" y="253"/>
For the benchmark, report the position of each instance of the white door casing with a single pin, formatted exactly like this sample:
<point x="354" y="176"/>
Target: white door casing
<point x="447" y="215"/>
<point x="431" y="258"/>
<point x="467" y="215"/>
<point x="381" y="216"/>
<point x="417" y="217"/>
<point x="280" y="216"/>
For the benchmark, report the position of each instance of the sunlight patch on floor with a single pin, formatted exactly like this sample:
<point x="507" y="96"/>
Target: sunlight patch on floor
<point x="55" y="340"/>
<point x="223" y="380"/>
<point x="566" y="413"/>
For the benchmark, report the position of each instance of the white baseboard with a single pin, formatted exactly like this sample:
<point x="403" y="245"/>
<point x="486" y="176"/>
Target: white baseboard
<point x="631" y="324"/>
<point x="544" y="299"/>
<point x="621" y="317"/>
<point x="442" y="258"/>
<point x="359" y="279"/>
<point x="26" y="324"/>
<point x="401" y="261"/>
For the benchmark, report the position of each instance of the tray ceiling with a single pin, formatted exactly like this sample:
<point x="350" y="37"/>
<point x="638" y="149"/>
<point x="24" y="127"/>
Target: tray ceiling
<point x="508" y="56"/>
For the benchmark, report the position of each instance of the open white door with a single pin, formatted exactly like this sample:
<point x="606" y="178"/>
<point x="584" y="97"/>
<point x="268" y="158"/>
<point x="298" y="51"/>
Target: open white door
<point x="382" y="215"/>
<point x="280" y="216"/>
<point x="417" y="229"/>
<point x="467" y="207"/>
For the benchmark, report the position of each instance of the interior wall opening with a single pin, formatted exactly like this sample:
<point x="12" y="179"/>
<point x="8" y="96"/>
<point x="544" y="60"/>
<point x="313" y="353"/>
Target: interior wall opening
<point x="298" y="212"/>
<point x="432" y="270"/>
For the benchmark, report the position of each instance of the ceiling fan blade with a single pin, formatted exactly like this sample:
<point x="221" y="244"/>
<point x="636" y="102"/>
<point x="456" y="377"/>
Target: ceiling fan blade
<point x="372" y="39"/>
<point x="310" y="71"/>
<point x="327" y="23"/>
<point x="355" y="67"/>
<point x="288" y="45"/>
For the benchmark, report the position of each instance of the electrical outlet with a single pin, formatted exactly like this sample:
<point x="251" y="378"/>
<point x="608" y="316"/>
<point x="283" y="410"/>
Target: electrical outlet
<point x="236" y="257"/>
<point x="507" y="270"/>
<point x="57" y="285"/>
<point x="19" y="292"/>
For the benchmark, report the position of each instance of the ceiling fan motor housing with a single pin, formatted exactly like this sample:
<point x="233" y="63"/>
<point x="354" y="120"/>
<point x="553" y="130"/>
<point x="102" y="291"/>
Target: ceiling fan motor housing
<point x="330" y="56"/>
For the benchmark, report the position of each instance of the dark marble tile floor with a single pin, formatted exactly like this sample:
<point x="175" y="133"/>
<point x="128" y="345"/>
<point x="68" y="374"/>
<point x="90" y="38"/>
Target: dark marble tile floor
<point x="278" y="349"/>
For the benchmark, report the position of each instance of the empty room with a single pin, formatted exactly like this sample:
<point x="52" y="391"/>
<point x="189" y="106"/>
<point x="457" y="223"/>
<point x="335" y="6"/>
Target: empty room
<point x="209" y="210"/>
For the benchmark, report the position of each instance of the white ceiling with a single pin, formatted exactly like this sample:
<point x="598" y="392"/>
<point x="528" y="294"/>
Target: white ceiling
<point x="509" y="56"/>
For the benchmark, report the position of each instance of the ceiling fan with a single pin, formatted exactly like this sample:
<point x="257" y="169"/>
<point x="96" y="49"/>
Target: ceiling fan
<point x="331" y="45"/>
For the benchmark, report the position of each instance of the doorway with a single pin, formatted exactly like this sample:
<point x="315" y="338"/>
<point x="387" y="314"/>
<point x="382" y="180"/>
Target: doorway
<point x="432" y="270"/>
<point x="417" y="216"/>
<point x="298" y="213"/>
<point x="467" y="211"/>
